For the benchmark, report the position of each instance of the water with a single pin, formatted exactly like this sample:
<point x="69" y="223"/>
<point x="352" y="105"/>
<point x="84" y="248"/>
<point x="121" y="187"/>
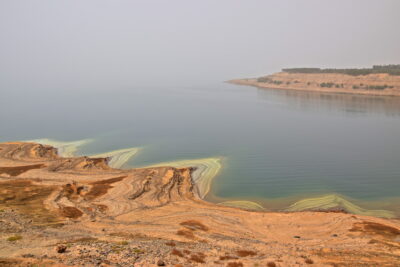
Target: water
<point x="277" y="146"/>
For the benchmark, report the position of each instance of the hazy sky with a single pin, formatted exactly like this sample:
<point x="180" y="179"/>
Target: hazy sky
<point x="72" y="44"/>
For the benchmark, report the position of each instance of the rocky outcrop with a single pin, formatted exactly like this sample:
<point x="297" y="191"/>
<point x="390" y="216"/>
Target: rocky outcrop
<point x="144" y="216"/>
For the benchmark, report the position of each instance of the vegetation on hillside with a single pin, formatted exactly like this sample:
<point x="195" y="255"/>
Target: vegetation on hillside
<point x="389" y="69"/>
<point x="268" y="80"/>
<point x="327" y="84"/>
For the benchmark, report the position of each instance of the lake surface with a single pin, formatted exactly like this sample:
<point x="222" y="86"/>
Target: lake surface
<point x="277" y="146"/>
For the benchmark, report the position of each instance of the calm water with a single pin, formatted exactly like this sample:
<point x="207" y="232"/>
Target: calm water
<point x="278" y="146"/>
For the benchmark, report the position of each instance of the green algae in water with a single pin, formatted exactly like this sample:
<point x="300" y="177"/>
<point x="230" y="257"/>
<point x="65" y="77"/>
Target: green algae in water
<point x="118" y="158"/>
<point x="243" y="204"/>
<point x="333" y="201"/>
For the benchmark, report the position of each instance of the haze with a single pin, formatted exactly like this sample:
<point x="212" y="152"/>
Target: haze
<point x="75" y="45"/>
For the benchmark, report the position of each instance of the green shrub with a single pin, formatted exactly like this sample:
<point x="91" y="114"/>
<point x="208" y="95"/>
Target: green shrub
<point x="264" y="80"/>
<point x="277" y="82"/>
<point x="377" y="87"/>
<point x="14" y="238"/>
<point x="329" y="85"/>
<point x="388" y="69"/>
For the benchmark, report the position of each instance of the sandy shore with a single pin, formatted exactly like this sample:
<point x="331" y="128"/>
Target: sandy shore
<point x="341" y="83"/>
<point x="78" y="211"/>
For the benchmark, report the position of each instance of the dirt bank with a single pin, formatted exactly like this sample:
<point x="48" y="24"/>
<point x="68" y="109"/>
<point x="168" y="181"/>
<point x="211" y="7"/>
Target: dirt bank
<point x="80" y="212"/>
<point x="372" y="84"/>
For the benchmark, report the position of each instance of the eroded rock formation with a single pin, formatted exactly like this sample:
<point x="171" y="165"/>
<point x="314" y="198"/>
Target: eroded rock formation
<point x="152" y="216"/>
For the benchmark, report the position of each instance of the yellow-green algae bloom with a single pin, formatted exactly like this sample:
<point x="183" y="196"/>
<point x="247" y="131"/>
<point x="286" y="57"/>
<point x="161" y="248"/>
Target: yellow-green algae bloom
<point x="117" y="158"/>
<point x="243" y="204"/>
<point x="335" y="201"/>
<point x="64" y="149"/>
<point x="205" y="170"/>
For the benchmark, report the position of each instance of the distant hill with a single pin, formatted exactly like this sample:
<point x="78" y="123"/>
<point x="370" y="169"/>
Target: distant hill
<point x="388" y="69"/>
<point x="382" y="80"/>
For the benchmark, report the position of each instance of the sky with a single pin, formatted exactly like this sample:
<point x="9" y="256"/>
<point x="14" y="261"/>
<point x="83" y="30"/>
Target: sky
<point x="95" y="44"/>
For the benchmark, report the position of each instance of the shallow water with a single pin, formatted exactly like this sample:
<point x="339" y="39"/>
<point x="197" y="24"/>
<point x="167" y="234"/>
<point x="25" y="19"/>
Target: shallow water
<point x="277" y="147"/>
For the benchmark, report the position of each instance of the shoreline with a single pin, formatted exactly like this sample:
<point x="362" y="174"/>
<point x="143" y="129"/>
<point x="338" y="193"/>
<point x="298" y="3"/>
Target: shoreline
<point x="203" y="172"/>
<point x="142" y="212"/>
<point x="311" y="82"/>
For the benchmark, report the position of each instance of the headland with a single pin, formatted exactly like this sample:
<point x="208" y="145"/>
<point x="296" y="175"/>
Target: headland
<point x="378" y="80"/>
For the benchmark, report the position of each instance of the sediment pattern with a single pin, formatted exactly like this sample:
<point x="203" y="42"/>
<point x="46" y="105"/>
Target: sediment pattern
<point x="118" y="158"/>
<point x="65" y="149"/>
<point x="204" y="171"/>
<point x="81" y="212"/>
<point x="243" y="204"/>
<point x="336" y="202"/>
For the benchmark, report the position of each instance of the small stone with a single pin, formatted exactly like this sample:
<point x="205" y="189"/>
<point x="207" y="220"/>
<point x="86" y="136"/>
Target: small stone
<point x="160" y="263"/>
<point x="326" y="250"/>
<point x="296" y="236"/>
<point x="61" y="248"/>
<point x="334" y="235"/>
<point x="309" y="261"/>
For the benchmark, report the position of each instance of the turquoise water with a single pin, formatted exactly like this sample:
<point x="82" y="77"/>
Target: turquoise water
<point x="277" y="146"/>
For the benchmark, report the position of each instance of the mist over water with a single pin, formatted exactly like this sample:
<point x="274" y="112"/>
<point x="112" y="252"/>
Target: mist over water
<point x="98" y="45"/>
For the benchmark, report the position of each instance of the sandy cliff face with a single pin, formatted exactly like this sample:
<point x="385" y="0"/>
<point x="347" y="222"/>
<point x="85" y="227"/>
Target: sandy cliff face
<point x="329" y="82"/>
<point x="80" y="212"/>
